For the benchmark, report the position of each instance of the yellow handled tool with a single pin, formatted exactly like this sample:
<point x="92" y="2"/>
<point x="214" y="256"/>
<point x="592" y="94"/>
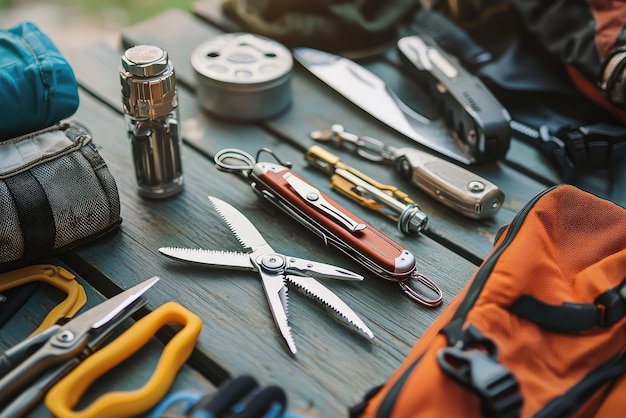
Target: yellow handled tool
<point x="56" y="276"/>
<point x="64" y="396"/>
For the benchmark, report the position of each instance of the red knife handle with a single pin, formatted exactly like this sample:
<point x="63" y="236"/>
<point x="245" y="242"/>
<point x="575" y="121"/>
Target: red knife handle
<point x="369" y="246"/>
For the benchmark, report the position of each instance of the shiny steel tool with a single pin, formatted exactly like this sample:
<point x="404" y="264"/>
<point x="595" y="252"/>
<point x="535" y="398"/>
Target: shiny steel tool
<point x="459" y="189"/>
<point x="336" y="225"/>
<point x="31" y="368"/>
<point x="275" y="271"/>
<point x="386" y="199"/>
<point x="369" y="92"/>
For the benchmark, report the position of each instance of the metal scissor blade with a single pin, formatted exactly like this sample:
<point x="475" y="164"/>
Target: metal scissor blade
<point x="370" y="93"/>
<point x="319" y="270"/>
<point x="244" y="230"/>
<point x="276" y="293"/>
<point x="109" y="309"/>
<point x="226" y="259"/>
<point x="328" y="298"/>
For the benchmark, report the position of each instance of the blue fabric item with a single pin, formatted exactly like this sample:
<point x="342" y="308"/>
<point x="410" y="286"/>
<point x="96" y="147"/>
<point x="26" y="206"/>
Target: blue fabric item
<point x="37" y="84"/>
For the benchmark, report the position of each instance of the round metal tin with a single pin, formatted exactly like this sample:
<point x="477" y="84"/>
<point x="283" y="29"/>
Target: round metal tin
<point x="243" y="76"/>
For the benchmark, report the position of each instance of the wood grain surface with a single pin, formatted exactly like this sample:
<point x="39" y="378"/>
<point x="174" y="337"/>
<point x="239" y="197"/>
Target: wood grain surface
<point x="335" y="365"/>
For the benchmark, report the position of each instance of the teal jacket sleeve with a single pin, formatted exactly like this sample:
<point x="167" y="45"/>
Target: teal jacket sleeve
<point x="37" y="84"/>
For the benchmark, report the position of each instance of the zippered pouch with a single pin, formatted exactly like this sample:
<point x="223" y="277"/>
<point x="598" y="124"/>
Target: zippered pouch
<point x="56" y="192"/>
<point x="539" y="331"/>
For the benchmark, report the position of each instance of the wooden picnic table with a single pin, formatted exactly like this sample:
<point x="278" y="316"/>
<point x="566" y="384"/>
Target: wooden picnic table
<point x="334" y="366"/>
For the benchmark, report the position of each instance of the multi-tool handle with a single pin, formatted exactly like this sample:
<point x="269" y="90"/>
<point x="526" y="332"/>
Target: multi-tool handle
<point x="333" y="222"/>
<point x="454" y="186"/>
<point x="386" y="199"/>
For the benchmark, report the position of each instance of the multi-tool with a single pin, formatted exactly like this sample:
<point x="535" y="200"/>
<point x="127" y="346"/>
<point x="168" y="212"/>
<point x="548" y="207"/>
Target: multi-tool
<point x="276" y="270"/>
<point x="336" y="225"/>
<point x="386" y="199"/>
<point x="459" y="189"/>
<point x="478" y="120"/>
<point x="485" y="137"/>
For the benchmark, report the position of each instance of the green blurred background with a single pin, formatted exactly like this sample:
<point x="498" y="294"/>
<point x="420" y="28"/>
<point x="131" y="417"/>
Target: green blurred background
<point x="80" y="23"/>
<point x="131" y="11"/>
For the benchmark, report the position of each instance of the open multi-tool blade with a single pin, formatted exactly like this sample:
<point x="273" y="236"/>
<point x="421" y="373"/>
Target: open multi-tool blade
<point x="275" y="270"/>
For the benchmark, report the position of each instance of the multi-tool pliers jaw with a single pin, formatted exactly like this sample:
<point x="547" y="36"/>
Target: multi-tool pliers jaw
<point x="275" y="270"/>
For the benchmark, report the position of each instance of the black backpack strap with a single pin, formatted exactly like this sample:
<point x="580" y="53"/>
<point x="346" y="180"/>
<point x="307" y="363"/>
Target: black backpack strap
<point x="607" y="309"/>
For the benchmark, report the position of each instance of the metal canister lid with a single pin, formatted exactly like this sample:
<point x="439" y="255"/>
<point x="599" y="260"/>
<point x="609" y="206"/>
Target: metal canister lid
<point x="148" y="82"/>
<point x="243" y="76"/>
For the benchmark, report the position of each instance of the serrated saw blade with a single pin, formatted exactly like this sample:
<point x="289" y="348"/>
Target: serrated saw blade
<point x="241" y="226"/>
<point x="328" y="298"/>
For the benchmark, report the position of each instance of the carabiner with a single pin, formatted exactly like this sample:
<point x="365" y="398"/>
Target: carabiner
<point x="421" y="297"/>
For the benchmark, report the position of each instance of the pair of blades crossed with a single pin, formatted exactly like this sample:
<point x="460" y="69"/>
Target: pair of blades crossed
<point x="275" y="270"/>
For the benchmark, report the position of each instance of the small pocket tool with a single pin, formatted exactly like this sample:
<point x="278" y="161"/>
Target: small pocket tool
<point x="275" y="270"/>
<point x="386" y="199"/>
<point x="336" y="225"/>
<point x="29" y="369"/>
<point x="459" y="189"/>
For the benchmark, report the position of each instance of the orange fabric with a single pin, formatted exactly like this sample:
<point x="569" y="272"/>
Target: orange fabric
<point x="571" y="247"/>
<point x="592" y="92"/>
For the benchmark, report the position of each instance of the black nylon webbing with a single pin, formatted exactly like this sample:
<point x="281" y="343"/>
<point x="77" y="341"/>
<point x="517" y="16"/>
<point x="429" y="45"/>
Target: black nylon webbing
<point x="567" y="317"/>
<point x="35" y="214"/>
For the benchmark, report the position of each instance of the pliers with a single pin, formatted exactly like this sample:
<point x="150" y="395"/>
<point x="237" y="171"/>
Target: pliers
<point x="29" y="369"/>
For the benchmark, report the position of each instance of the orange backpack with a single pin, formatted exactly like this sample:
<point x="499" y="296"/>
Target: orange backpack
<point x="539" y="331"/>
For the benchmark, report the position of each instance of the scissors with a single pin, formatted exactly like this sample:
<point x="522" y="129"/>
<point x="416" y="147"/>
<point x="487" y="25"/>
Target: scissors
<point x="29" y="369"/>
<point x="275" y="270"/>
<point x="62" y="399"/>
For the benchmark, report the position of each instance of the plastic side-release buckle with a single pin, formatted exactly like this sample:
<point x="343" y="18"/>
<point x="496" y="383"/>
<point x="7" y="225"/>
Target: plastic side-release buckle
<point x="595" y="145"/>
<point x="473" y="363"/>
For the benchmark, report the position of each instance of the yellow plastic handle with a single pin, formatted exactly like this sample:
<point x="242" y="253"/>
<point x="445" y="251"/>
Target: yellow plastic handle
<point x="56" y="276"/>
<point x="64" y="396"/>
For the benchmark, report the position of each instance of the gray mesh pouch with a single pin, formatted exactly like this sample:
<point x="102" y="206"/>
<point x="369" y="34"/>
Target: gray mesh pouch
<point x="56" y="192"/>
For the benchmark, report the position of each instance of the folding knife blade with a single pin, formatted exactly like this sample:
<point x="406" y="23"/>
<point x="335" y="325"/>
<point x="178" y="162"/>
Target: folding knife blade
<point x="225" y="259"/>
<point x="320" y="270"/>
<point x="370" y="93"/>
<point x="328" y="298"/>
<point x="244" y="230"/>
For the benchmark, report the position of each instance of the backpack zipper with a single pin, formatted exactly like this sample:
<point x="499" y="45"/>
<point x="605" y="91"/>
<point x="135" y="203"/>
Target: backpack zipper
<point x="484" y="272"/>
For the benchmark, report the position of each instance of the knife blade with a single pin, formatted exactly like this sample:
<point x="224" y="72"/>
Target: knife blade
<point x="371" y="93"/>
<point x="312" y="287"/>
<point x="225" y="259"/>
